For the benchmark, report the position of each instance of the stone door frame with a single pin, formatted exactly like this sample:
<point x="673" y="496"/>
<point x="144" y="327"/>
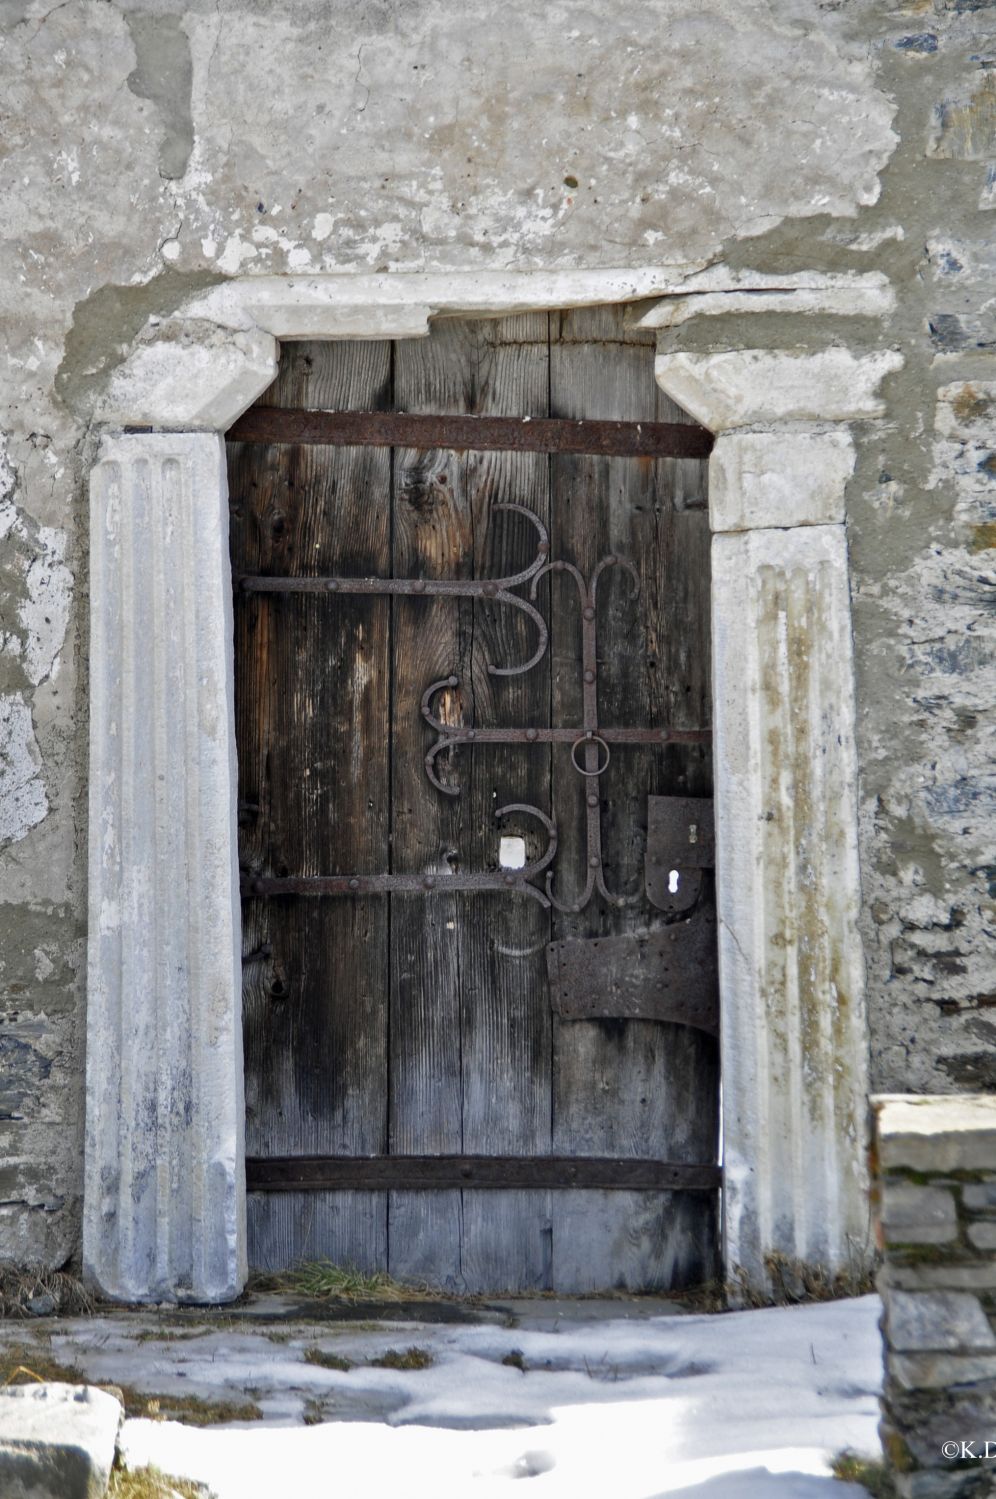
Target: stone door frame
<point x="164" y="1194"/>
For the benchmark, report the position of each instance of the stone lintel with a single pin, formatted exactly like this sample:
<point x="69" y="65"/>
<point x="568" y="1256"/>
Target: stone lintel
<point x="164" y="1202"/>
<point x="750" y="387"/>
<point x="779" y="478"/>
<point x="791" y="971"/>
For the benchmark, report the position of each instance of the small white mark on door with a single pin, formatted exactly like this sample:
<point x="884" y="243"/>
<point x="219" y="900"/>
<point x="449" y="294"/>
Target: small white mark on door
<point x="512" y="853"/>
<point x="672" y="882"/>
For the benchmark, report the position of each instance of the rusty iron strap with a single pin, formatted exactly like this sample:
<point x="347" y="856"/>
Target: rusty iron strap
<point x="493" y="589"/>
<point x="399" y="1173"/>
<point x="515" y="882"/>
<point x="398" y="429"/>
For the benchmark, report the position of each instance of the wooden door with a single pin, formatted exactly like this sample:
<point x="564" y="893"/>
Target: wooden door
<point x="397" y="1033"/>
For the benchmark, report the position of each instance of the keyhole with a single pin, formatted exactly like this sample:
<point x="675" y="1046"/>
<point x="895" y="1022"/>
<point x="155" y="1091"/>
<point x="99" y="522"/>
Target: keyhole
<point x="672" y="882"/>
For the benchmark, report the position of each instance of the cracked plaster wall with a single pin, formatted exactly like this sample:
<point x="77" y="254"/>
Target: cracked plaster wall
<point x="150" y="151"/>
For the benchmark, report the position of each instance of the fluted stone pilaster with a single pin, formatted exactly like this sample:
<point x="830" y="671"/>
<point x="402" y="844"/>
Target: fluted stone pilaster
<point x="791" y="968"/>
<point x="164" y="1215"/>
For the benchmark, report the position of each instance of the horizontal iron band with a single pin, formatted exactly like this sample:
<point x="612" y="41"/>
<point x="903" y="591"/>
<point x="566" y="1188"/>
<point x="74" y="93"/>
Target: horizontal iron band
<point x="480" y="433"/>
<point x="399" y="1173"/>
<point x="488" y="1172"/>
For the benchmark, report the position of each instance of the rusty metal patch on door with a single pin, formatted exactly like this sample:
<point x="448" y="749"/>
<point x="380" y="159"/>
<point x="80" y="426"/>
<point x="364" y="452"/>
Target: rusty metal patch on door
<point x="669" y="974"/>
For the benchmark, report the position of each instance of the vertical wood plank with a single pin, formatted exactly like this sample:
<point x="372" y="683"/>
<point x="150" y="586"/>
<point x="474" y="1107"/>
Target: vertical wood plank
<point x="312" y="728"/>
<point x="481" y="1060"/>
<point x="627" y="1087"/>
<point x="432" y="640"/>
<point x="505" y="1019"/>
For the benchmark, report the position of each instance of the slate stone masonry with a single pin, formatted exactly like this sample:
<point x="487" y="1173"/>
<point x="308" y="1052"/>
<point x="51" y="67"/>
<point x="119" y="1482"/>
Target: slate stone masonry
<point x="934" y="1161"/>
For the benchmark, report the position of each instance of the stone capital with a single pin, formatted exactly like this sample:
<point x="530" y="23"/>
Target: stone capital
<point x="754" y="387"/>
<point x="779" y="479"/>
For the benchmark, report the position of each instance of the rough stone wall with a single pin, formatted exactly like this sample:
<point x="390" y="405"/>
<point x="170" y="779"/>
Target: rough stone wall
<point x="936" y="1201"/>
<point x="150" y="151"/>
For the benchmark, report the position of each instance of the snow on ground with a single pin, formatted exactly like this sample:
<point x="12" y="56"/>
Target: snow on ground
<point x="749" y="1405"/>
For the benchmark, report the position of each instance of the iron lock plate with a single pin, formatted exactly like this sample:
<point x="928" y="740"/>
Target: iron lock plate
<point x="681" y="844"/>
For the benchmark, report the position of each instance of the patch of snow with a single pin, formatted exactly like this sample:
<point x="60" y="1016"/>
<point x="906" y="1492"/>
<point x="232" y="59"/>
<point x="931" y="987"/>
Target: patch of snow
<point x="750" y="1405"/>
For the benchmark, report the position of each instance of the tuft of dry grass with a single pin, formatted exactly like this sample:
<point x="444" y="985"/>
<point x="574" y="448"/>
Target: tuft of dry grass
<point x="21" y="1285"/>
<point x="172" y="1334"/>
<point x="191" y="1410"/>
<point x="150" y="1483"/>
<point x="407" y="1358"/>
<point x="313" y="1413"/>
<point x="792" y="1281"/>
<point x="872" y="1474"/>
<point x="23" y="1363"/>
<point x="324" y="1280"/>
<point x="326" y="1360"/>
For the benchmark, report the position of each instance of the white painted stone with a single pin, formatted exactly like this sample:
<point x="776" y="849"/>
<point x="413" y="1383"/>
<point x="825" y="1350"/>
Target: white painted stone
<point x="841" y="296"/>
<point x="57" y="1441"/>
<point x="936" y="1133"/>
<point x="791" y="967"/>
<point x="379" y="305"/>
<point x="937" y="1321"/>
<point x="918" y="1215"/>
<point x="747" y="387"/>
<point x="200" y="369"/>
<point x="164" y="1209"/>
<point x="190" y="378"/>
<point x="770" y="479"/>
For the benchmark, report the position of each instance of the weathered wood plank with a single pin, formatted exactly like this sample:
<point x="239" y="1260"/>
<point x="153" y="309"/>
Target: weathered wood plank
<point x="432" y="639"/>
<point x="312" y="728"/>
<point x="626" y="1087"/>
<point x="496" y="949"/>
<point x="505" y="1019"/>
<point x="347" y="1227"/>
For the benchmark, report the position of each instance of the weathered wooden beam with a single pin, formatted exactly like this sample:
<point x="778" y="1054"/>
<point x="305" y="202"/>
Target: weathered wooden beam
<point x="407" y="1173"/>
<point x="396" y="429"/>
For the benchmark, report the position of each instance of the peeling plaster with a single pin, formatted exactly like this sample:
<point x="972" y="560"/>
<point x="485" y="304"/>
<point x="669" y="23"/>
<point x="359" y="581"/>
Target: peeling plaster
<point x="23" y="802"/>
<point x="34" y="610"/>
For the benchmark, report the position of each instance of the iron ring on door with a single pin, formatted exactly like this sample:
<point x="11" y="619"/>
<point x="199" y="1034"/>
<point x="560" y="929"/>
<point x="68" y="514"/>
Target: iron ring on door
<point x="590" y="739"/>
